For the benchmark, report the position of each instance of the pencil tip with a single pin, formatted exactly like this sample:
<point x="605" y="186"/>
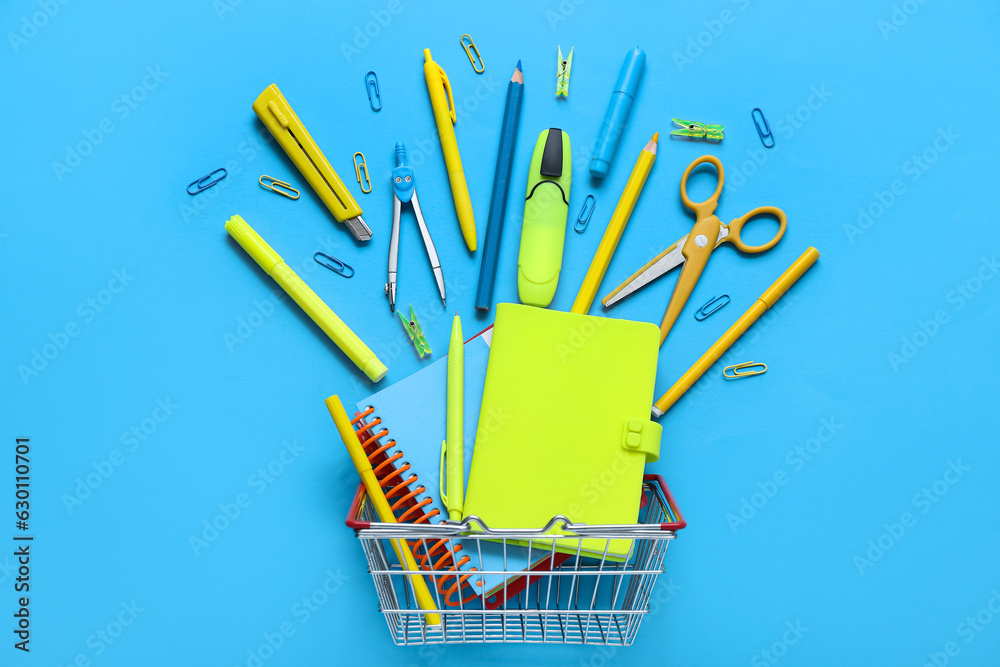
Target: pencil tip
<point x="519" y="65"/>
<point x="656" y="137"/>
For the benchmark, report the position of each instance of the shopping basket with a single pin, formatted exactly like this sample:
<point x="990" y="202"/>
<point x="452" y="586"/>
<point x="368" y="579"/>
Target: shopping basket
<point x="571" y="598"/>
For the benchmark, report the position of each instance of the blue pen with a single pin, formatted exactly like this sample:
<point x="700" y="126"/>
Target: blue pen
<point x="616" y="117"/>
<point x="501" y="186"/>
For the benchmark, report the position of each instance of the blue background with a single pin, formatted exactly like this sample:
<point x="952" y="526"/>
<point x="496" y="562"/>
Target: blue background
<point x="733" y="583"/>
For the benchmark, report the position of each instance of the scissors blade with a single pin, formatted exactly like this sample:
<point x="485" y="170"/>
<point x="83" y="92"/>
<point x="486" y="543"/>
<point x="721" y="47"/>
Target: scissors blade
<point x="663" y="263"/>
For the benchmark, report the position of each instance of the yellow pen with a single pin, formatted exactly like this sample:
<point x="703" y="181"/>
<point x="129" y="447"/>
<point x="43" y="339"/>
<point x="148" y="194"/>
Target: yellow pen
<point x="766" y="300"/>
<point x="378" y="500"/>
<point x="443" y="104"/>
<point x="295" y="287"/>
<point x="602" y="258"/>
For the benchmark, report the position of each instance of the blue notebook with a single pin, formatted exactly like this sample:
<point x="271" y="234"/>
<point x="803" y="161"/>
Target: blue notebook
<point x="414" y="411"/>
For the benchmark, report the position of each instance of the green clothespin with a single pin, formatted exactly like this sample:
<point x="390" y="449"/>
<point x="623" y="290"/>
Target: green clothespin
<point x="415" y="333"/>
<point x="690" y="128"/>
<point x="563" y="68"/>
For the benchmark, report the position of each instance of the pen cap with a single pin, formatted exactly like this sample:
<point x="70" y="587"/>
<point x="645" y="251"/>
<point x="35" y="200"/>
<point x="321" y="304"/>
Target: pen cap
<point x="253" y="244"/>
<point x="631" y="72"/>
<point x="617" y="114"/>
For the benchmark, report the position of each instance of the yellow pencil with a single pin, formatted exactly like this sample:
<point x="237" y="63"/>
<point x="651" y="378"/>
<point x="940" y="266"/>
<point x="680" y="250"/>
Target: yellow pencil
<point x="377" y="497"/>
<point x="766" y="300"/>
<point x="443" y="104"/>
<point x="630" y="195"/>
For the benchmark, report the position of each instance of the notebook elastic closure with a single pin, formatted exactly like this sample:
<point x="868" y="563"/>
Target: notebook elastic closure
<point x="642" y="435"/>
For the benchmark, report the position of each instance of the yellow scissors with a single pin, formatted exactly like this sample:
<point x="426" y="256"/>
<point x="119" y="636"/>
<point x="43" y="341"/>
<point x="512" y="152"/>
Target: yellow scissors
<point x="694" y="249"/>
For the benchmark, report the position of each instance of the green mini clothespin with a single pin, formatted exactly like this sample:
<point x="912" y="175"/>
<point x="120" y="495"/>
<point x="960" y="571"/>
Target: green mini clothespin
<point x="689" y="128"/>
<point x="415" y="333"/>
<point x="563" y="68"/>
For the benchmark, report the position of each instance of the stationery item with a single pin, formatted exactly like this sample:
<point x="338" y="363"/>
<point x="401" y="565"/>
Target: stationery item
<point x="374" y="95"/>
<point x="284" y="125"/>
<point x="501" y="187"/>
<point x="696" y="130"/>
<point x="334" y="264"/>
<point x="546" y="208"/>
<point x="694" y="249"/>
<point x="743" y="370"/>
<point x="563" y="69"/>
<point x="763" y="132"/>
<point x="403" y="191"/>
<point x="567" y="396"/>
<point x="326" y="319"/>
<point x="206" y="181"/>
<point x="362" y="167"/>
<point x="405" y="438"/>
<point x="469" y="47"/>
<point x="766" y="300"/>
<point x="587" y="210"/>
<point x="713" y="306"/>
<point x="282" y="188"/>
<point x="443" y="104"/>
<point x="360" y="460"/>
<point x="623" y="210"/>
<point x="452" y="471"/>
<point x="415" y="332"/>
<point x="616" y="117"/>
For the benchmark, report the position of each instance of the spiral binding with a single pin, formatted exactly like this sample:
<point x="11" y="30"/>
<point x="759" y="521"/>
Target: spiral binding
<point x="409" y="505"/>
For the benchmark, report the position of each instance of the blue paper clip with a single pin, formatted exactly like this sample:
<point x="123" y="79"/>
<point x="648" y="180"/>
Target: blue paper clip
<point x="765" y="132"/>
<point x="333" y="264"/>
<point x="580" y="225"/>
<point x="201" y="182"/>
<point x="714" y="304"/>
<point x="371" y="83"/>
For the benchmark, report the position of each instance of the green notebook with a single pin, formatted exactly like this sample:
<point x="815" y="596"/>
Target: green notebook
<point x="564" y="425"/>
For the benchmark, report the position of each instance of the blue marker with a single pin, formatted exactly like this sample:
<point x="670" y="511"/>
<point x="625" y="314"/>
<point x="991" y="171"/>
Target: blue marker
<point x="616" y="117"/>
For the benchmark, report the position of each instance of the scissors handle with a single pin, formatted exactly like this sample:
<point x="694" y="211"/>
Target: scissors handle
<point x="704" y="208"/>
<point x="736" y="226"/>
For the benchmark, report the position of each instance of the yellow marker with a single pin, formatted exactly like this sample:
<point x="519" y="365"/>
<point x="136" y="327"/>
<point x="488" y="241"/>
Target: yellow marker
<point x="382" y="509"/>
<point x="443" y="104"/>
<point x="766" y="300"/>
<point x="275" y="266"/>
<point x="630" y="195"/>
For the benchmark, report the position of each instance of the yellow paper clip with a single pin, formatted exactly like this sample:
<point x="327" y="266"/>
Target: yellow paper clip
<point x="358" y="166"/>
<point x="469" y="48"/>
<point x="281" y="187"/>
<point x="740" y="372"/>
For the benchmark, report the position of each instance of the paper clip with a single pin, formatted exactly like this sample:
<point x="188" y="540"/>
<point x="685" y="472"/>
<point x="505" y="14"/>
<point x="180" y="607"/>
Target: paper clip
<point x="201" y="182"/>
<point x="580" y="225"/>
<point x="764" y="133"/>
<point x="371" y="83"/>
<point x="695" y="130"/>
<point x="714" y="303"/>
<point x="281" y="187"/>
<point x="756" y="369"/>
<point x="358" y="166"/>
<point x="333" y="264"/>
<point x="469" y="48"/>
<point x="415" y="333"/>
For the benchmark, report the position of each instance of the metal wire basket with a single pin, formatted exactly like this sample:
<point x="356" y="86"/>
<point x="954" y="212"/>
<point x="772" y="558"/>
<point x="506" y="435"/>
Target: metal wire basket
<point x="568" y="597"/>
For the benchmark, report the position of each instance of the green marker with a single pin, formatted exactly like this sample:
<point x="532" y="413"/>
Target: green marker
<point x="546" y="208"/>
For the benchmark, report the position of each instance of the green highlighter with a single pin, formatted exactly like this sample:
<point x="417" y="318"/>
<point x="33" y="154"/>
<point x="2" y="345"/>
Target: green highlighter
<point x="546" y="208"/>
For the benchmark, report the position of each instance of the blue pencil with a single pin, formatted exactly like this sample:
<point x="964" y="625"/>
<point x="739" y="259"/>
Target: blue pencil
<point x="501" y="185"/>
